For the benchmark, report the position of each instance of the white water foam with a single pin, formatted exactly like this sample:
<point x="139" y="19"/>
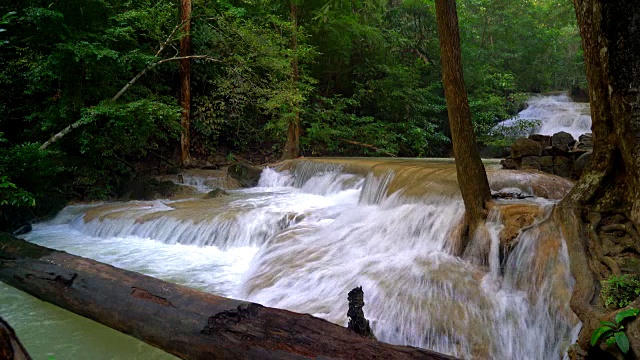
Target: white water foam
<point x="303" y="248"/>
<point x="556" y="113"/>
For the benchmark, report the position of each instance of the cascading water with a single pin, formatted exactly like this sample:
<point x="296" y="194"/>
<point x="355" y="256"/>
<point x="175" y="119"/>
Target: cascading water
<point x="307" y="235"/>
<point x="555" y="113"/>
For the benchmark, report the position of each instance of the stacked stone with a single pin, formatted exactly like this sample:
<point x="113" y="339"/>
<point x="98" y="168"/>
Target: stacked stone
<point x="559" y="154"/>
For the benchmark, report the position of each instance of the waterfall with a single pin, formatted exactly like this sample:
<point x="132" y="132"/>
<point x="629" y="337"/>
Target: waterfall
<point x="314" y="230"/>
<point x="554" y="113"/>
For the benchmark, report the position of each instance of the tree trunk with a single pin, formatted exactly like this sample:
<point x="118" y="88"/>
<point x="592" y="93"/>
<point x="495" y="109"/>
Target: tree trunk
<point x="10" y="346"/>
<point x="292" y="146"/>
<point x="472" y="177"/>
<point x="179" y="320"/>
<point x="185" y="83"/>
<point x="607" y="196"/>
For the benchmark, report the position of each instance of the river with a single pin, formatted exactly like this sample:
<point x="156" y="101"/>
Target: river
<point x="310" y="232"/>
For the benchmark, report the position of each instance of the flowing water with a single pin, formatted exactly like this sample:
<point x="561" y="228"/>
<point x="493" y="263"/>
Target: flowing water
<point x="312" y="231"/>
<point x="554" y="113"/>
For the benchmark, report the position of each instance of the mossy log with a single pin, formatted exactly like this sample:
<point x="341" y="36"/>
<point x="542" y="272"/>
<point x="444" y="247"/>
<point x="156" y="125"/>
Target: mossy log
<point x="179" y="320"/>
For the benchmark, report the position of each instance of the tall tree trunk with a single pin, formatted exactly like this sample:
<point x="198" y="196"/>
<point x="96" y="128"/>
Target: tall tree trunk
<point x="185" y="83"/>
<point x="292" y="146"/>
<point x="606" y="199"/>
<point x="472" y="177"/>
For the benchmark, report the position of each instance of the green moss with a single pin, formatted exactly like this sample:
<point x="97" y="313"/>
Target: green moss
<point x="619" y="291"/>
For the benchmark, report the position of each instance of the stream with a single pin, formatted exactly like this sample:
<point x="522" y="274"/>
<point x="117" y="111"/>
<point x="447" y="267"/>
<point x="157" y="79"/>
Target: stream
<point x="311" y="231"/>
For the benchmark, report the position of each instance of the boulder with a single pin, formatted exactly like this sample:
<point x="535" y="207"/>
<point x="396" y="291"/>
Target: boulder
<point x="544" y="140"/>
<point x="525" y="147"/>
<point x="547" y="151"/>
<point x="562" y="166"/>
<point x="546" y="164"/>
<point x="584" y="143"/>
<point x="562" y="141"/>
<point x="215" y="193"/>
<point x="509" y="164"/>
<point x="247" y="175"/>
<point x="580" y="163"/>
<point x="145" y="188"/>
<point x="530" y="162"/>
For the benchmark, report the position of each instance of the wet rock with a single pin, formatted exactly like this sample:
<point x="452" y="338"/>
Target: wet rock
<point x="562" y="141"/>
<point x="509" y="164"/>
<point x="562" y="166"/>
<point x="515" y="217"/>
<point x="247" y="175"/>
<point x="525" y="147"/>
<point x="290" y="219"/>
<point x="217" y="192"/>
<point x="580" y="163"/>
<point x="357" y="322"/>
<point x="530" y="162"/>
<point x="543" y="140"/>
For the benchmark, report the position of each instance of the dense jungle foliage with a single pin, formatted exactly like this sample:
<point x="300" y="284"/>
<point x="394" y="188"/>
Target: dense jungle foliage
<point x="369" y="85"/>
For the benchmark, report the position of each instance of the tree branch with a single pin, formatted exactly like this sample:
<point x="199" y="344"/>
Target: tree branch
<point x="80" y="122"/>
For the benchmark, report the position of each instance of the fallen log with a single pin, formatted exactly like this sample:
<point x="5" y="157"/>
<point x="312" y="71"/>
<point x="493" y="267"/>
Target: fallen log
<point x="179" y="320"/>
<point x="10" y="346"/>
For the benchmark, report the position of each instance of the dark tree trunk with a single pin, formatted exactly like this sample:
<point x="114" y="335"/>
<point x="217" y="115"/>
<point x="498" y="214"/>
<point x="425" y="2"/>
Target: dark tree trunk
<point x="187" y="323"/>
<point x="292" y="146"/>
<point x="10" y="346"/>
<point x="185" y="83"/>
<point x="601" y="215"/>
<point x="472" y="177"/>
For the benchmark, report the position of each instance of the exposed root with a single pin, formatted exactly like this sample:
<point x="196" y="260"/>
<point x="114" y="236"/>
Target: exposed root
<point x="594" y="222"/>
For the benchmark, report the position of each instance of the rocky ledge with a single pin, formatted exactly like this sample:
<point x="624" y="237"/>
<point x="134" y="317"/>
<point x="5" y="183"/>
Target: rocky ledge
<point x="559" y="154"/>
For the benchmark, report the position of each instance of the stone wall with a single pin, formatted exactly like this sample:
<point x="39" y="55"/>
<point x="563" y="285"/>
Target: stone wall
<point x="559" y="154"/>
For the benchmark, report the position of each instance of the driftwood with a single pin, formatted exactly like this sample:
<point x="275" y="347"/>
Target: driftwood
<point x="10" y="346"/>
<point x="180" y="320"/>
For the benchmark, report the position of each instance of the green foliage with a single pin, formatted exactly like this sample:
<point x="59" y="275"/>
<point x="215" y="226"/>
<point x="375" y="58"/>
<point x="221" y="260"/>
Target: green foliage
<point x="619" y="291"/>
<point x="613" y="333"/>
<point x="369" y="81"/>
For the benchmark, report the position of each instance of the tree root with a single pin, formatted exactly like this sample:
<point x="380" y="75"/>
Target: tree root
<point x="594" y="222"/>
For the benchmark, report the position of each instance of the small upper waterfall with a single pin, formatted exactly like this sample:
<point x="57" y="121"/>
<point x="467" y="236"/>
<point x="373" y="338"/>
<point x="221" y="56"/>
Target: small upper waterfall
<point x="314" y="229"/>
<point x="554" y="113"/>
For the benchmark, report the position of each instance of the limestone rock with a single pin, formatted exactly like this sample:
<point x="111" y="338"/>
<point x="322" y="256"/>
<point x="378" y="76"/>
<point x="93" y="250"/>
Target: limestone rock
<point x="525" y="147"/>
<point x="580" y="163"/>
<point x="584" y="143"/>
<point x="562" y="166"/>
<point x="530" y="162"/>
<point x="543" y="140"/>
<point x="562" y="141"/>
<point x="509" y="164"/>
<point x="248" y="175"/>
<point x="546" y="164"/>
<point x="217" y="192"/>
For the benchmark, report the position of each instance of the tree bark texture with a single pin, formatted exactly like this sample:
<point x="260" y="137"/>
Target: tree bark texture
<point x="607" y="196"/>
<point x="10" y="346"/>
<point x="182" y="321"/>
<point x="472" y="177"/>
<point x="292" y="146"/>
<point x="185" y="83"/>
